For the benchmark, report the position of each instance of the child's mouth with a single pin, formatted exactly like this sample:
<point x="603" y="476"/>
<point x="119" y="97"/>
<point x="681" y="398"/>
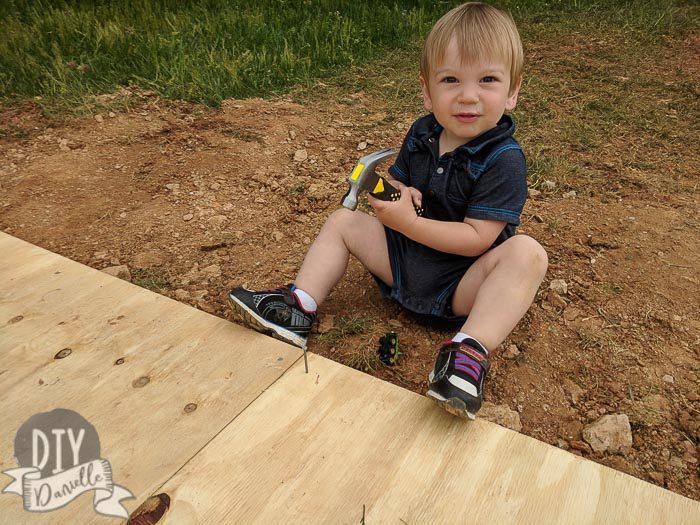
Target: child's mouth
<point x="466" y="117"/>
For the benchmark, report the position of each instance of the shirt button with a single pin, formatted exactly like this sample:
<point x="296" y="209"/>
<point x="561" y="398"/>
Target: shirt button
<point x="440" y="171"/>
<point x="431" y="140"/>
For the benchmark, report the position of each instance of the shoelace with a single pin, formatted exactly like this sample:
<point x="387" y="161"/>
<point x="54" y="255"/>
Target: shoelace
<point x="468" y="360"/>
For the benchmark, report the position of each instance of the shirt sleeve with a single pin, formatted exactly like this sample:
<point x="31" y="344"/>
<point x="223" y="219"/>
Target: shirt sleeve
<point x="400" y="169"/>
<point x="500" y="192"/>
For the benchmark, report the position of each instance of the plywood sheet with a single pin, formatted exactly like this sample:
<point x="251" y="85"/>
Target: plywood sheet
<point x="319" y="448"/>
<point x="49" y="303"/>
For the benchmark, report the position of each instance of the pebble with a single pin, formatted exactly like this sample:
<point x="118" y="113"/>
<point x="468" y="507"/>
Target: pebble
<point x="501" y="415"/>
<point x="569" y="195"/>
<point x="511" y="352"/>
<point x="657" y="477"/>
<point x="187" y="217"/>
<point x="362" y="145"/>
<point x="63" y="145"/>
<point x="549" y="185"/>
<point x="99" y="118"/>
<point x="611" y="433"/>
<point x="559" y="286"/>
<point x="300" y="155"/>
<point x="121" y="271"/>
<point x="668" y="379"/>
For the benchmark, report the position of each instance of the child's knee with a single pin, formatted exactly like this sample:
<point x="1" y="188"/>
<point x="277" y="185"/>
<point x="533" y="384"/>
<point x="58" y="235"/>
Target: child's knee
<point x="339" y="220"/>
<point x="530" y="253"/>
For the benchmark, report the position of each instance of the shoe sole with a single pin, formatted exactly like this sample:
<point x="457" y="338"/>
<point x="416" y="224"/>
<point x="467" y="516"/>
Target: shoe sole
<point x="249" y="318"/>
<point x="453" y="405"/>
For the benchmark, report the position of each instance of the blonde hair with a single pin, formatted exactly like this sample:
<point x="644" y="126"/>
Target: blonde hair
<point x="483" y="32"/>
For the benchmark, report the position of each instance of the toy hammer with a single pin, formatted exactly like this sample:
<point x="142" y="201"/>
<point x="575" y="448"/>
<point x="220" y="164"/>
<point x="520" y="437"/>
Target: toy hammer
<point x="364" y="178"/>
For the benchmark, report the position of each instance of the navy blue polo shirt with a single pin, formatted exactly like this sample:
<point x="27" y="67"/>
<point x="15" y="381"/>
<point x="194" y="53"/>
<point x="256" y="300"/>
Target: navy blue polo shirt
<point x="482" y="179"/>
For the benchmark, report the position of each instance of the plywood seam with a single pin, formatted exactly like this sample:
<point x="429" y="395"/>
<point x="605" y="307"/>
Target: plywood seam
<point x="213" y="437"/>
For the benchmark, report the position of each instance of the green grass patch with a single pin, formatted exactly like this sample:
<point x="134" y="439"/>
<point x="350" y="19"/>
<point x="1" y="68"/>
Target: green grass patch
<point x="149" y="279"/>
<point x="210" y="50"/>
<point x="201" y="50"/>
<point x="346" y="326"/>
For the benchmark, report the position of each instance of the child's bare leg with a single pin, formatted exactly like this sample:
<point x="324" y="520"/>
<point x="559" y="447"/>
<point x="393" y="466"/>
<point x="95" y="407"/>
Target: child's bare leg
<point x="345" y="232"/>
<point x="499" y="288"/>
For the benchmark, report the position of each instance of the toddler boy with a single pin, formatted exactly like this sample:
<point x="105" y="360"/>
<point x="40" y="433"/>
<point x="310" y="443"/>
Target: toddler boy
<point x="460" y="264"/>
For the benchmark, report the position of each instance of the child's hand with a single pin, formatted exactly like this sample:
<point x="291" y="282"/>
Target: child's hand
<point x="416" y="195"/>
<point x="399" y="215"/>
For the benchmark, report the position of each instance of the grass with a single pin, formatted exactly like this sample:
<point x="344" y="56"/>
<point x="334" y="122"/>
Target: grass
<point x="210" y="50"/>
<point x="345" y="326"/>
<point x="148" y="279"/>
<point x="202" y="50"/>
<point x="602" y="77"/>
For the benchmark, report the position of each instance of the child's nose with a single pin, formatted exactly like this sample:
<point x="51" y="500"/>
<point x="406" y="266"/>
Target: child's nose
<point x="468" y="94"/>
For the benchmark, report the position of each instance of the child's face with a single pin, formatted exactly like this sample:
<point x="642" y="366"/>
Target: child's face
<point x="467" y="99"/>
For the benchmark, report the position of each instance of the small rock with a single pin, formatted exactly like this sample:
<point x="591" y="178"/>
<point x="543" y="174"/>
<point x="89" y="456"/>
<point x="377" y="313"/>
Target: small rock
<point x="611" y="433"/>
<point x="556" y="301"/>
<point x="300" y="155"/>
<point x="569" y="195"/>
<point x="63" y="145"/>
<point x="511" y="352"/>
<point x="173" y="186"/>
<point x="277" y="236"/>
<point x="501" y="415"/>
<point x="533" y="194"/>
<point x="99" y="118"/>
<point x="597" y="242"/>
<point x="559" y="286"/>
<point x="549" y="185"/>
<point x="657" y="477"/>
<point x="581" y="446"/>
<point x="112" y="114"/>
<point x="187" y="217"/>
<point x="362" y="145"/>
<point x="575" y="392"/>
<point x="182" y="295"/>
<point x="571" y="314"/>
<point x="668" y="379"/>
<point x="213" y="270"/>
<point x="214" y="186"/>
<point x="121" y="271"/>
<point x="217" y="221"/>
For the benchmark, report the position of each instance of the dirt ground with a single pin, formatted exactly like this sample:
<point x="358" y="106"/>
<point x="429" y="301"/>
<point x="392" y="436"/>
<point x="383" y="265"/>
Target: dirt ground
<point x="195" y="201"/>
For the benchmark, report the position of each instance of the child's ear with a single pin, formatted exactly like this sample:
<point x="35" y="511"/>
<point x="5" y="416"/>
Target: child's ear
<point x="427" y="103"/>
<point x="513" y="96"/>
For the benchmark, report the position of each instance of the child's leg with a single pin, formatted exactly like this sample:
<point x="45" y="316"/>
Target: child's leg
<point x="495" y="292"/>
<point x="498" y="289"/>
<point x="345" y="232"/>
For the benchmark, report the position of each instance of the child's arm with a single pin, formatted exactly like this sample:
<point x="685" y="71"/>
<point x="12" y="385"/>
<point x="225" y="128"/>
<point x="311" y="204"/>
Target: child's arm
<point x="469" y="238"/>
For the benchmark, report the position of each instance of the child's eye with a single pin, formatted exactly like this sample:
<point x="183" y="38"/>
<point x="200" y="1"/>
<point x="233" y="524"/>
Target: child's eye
<point x="449" y="80"/>
<point x="488" y="79"/>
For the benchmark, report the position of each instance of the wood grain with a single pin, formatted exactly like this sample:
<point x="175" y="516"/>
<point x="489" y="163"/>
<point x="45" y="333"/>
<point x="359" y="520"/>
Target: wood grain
<point x="48" y="303"/>
<point x="266" y="443"/>
<point x="318" y="448"/>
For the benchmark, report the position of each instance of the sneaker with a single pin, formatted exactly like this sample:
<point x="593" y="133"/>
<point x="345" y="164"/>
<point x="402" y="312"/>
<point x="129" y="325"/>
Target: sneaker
<point x="457" y="381"/>
<point x="274" y="312"/>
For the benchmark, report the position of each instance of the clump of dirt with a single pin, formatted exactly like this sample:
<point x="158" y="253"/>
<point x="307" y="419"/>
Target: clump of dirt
<point x="196" y="200"/>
